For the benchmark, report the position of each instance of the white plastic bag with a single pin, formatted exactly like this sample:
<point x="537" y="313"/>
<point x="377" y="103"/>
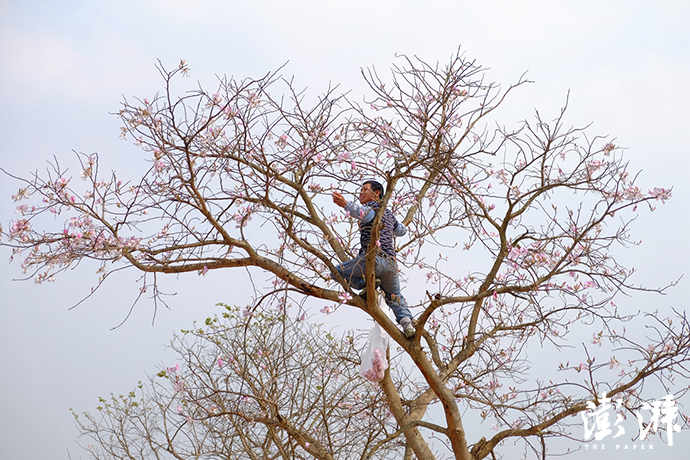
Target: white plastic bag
<point x="374" y="359"/>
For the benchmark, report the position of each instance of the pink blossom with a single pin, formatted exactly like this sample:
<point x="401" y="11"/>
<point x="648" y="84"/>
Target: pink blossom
<point x="21" y="194"/>
<point x="596" y="339"/>
<point x="632" y="193"/>
<point x="19" y="227"/>
<point x="608" y="148"/>
<point x="344" y="296"/>
<point x="282" y="141"/>
<point x="660" y="194"/>
<point x="516" y="252"/>
<point x="24" y="208"/>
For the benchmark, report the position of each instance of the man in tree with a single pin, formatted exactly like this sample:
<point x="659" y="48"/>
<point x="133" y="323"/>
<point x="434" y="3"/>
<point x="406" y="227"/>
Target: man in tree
<point x="386" y="265"/>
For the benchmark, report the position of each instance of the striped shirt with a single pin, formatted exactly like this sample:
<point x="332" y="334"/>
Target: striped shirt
<point x="365" y="215"/>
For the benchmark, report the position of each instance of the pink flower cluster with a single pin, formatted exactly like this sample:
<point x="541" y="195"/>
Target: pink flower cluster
<point x="80" y="237"/>
<point x="19" y="230"/>
<point x="282" y="141"/>
<point x="660" y="194"/>
<point x="378" y="367"/>
<point x="243" y="216"/>
<point x="532" y="255"/>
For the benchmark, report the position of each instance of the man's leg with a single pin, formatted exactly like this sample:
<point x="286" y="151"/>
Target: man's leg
<point x="390" y="284"/>
<point x="353" y="271"/>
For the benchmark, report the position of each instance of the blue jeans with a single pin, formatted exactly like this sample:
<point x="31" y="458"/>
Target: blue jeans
<point x="387" y="271"/>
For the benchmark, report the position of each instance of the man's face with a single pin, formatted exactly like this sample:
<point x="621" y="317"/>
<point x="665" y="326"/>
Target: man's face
<point x="367" y="194"/>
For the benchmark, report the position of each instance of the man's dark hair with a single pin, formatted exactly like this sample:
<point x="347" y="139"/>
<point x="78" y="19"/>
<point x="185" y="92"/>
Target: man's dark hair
<point x="376" y="187"/>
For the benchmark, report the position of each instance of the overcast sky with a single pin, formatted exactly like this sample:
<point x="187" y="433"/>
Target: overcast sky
<point x="65" y="66"/>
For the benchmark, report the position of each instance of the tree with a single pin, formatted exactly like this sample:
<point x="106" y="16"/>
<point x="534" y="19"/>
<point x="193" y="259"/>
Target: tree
<point x="261" y="386"/>
<point x="539" y="210"/>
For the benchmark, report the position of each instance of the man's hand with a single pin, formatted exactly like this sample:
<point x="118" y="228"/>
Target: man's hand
<point x="339" y="199"/>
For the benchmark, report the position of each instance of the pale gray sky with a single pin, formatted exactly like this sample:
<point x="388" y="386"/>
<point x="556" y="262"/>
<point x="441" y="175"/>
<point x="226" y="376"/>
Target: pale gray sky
<point x="65" y="65"/>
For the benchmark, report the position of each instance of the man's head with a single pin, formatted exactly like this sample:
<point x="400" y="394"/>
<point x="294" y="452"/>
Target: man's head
<point x="371" y="191"/>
